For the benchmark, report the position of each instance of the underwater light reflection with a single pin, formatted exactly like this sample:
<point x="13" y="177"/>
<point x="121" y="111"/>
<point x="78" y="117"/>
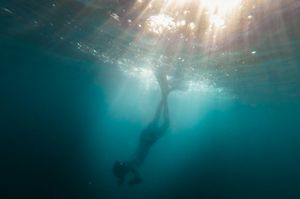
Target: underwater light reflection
<point x="160" y="23"/>
<point x="218" y="13"/>
<point x="147" y="80"/>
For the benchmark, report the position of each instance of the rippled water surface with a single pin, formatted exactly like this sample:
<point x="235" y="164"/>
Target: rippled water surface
<point x="255" y="61"/>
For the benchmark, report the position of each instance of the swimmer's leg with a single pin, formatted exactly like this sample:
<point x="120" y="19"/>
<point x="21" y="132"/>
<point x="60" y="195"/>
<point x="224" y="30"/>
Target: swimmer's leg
<point x="157" y="113"/>
<point x="161" y="77"/>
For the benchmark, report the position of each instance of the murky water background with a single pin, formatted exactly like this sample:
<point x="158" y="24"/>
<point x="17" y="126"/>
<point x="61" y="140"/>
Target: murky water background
<point x="76" y="91"/>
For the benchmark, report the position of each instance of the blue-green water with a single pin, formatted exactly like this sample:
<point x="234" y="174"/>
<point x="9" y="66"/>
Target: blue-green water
<point x="66" y="117"/>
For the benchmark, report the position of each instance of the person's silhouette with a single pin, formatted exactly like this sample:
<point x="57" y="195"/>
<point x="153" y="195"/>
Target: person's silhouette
<point x="147" y="137"/>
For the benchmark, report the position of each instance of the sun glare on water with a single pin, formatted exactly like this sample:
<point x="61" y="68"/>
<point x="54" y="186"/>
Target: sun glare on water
<point x="160" y="23"/>
<point x="220" y="10"/>
<point x="181" y="29"/>
<point x="173" y="15"/>
<point x="221" y="6"/>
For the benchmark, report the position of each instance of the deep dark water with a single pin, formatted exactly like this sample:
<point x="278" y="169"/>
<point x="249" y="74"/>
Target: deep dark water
<point x="59" y="139"/>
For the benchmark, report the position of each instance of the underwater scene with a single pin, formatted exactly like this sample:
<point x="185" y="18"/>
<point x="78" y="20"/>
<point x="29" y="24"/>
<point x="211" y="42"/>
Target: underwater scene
<point x="150" y="99"/>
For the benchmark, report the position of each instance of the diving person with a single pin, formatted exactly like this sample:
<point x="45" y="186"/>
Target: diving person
<point x="148" y="136"/>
